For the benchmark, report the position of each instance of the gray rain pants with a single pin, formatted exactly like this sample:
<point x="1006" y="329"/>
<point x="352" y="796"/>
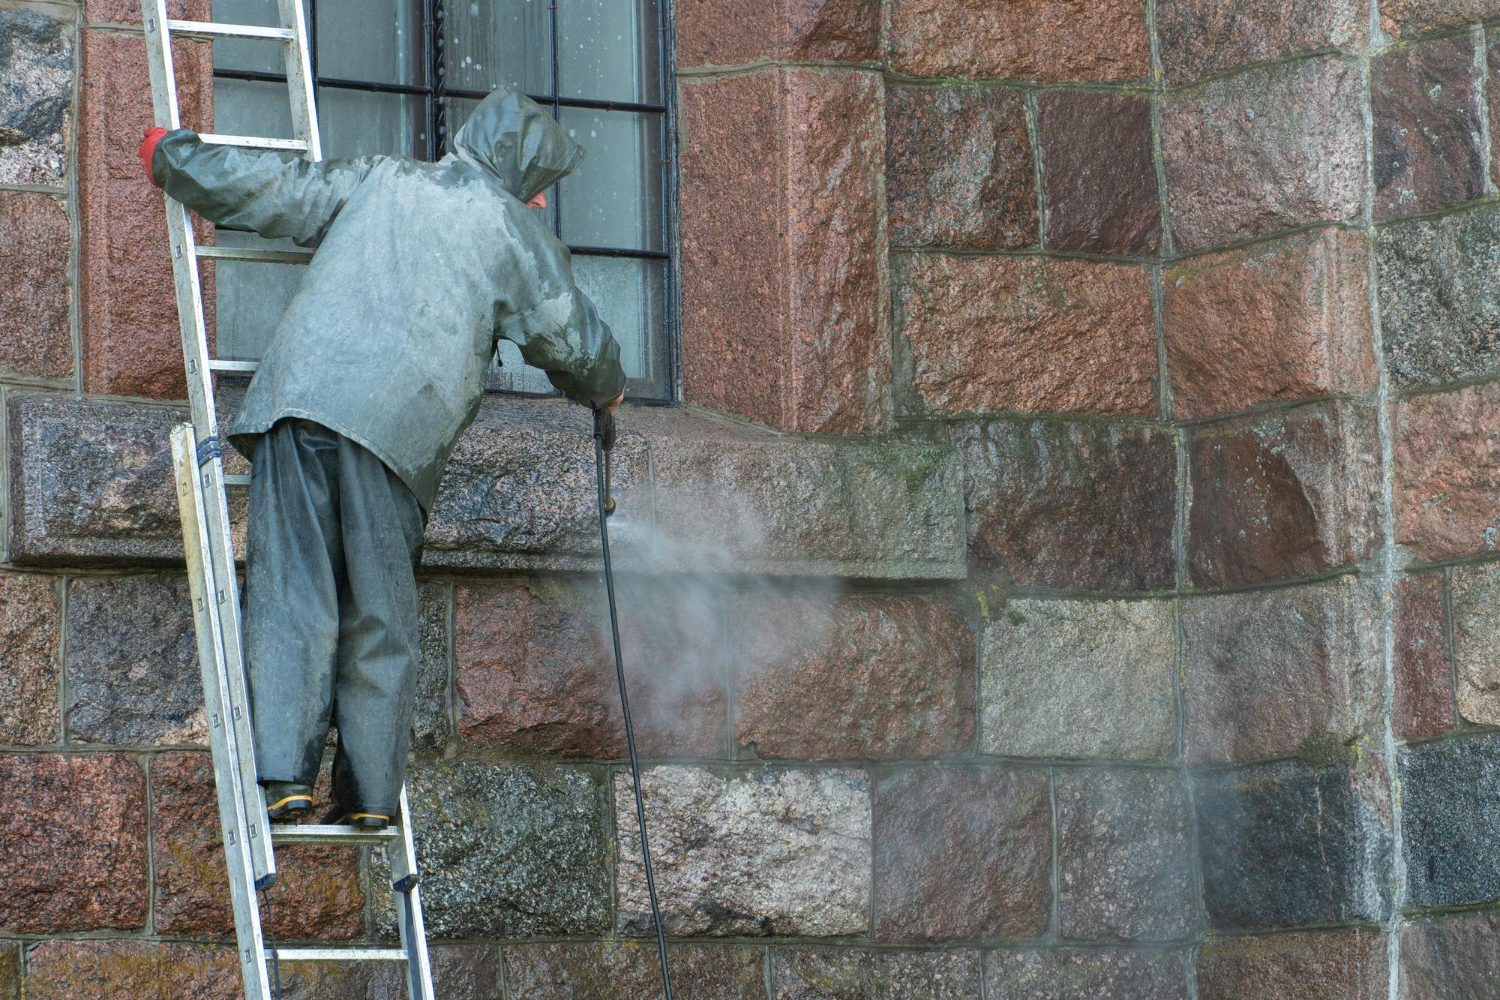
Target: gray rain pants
<point x="331" y="613"/>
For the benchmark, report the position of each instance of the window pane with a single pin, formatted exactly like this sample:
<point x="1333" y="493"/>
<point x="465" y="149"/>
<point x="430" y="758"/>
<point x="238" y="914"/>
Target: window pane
<point x="374" y="41"/>
<point x="499" y="43"/>
<point x="252" y="107"/>
<point x="250" y="297"/>
<point x="239" y="53"/>
<point x="610" y="50"/>
<point x="613" y="199"/>
<point x="359" y="123"/>
<point x="630" y="294"/>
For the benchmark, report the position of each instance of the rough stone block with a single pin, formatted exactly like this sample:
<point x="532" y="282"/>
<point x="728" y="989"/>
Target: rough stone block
<point x="1450" y="795"/>
<point x="1203" y="37"/>
<point x="317" y="893"/>
<point x="36" y="333"/>
<point x="852" y="677"/>
<point x="1447" y="458"/>
<point x="432" y="725"/>
<point x="784" y="506"/>
<point x="1050" y="40"/>
<point x="1099" y="172"/>
<point x="1025" y="334"/>
<point x="132" y="662"/>
<point x="30" y="626"/>
<point x="88" y="872"/>
<point x="1278" y="322"/>
<point x="131" y="342"/>
<point x="1427" y="131"/>
<point x="1095" y="974"/>
<point x="1286" y="495"/>
<point x="629" y="971"/>
<point x="851" y="974"/>
<point x="1279" y="672"/>
<point x="125" y="12"/>
<point x="1079" y="680"/>
<point x="784" y="252"/>
<point x="732" y="33"/>
<point x="505" y="851"/>
<point x="459" y="972"/>
<point x="10" y="972"/>
<point x="36" y="105"/>
<point x="784" y="853"/>
<point x="1439" y="316"/>
<point x="958" y="170"/>
<point x="1291" y="845"/>
<point x="1405" y="18"/>
<point x="1273" y="148"/>
<point x="1449" y="957"/>
<point x="962" y="854"/>
<point x="1072" y="505"/>
<point x="1124" y="856"/>
<point x="66" y="970"/>
<point x="536" y="672"/>
<point x="1476" y="641"/>
<point x="1424" y="672"/>
<point x="519" y="489"/>
<point x="1326" y="965"/>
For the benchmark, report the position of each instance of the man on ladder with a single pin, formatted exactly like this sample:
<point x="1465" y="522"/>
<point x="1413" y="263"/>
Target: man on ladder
<point x="377" y="366"/>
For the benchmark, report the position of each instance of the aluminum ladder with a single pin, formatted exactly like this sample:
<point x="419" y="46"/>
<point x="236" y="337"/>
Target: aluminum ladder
<point x="198" y="463"/>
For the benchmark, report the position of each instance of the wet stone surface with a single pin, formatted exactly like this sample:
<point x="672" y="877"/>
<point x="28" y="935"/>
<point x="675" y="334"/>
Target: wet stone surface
<point x="962" y="854"/>
<point x="89" y="871"/>
<point x="1342" y="964"/>
<point x="1447" y="491"/>
<point x="36" y="332"/>
<point x="1427" y="132"/>
<point x="505" y="851"/>
<point x="1406" y="18"/>
<point x="36" y="62"/>
<point x="1125" y="869"/>
<point x="783" y="853"/>
<point x="1288" y="845"/>
<point x="1476" y="641"/>
<point x="1202" y="37"/>
<point x="1448" y="957"/>
<point x="851" y="974"/>
<point x="63" y="970"/>
<point x="629" y="971"/>
<point x="1450" y="793"/>
<point x="1071" y="505"/>
<point x="1099" y="173"/>
<point x="132" y="663"/>
<point x="30" y="627"/>
<point x="1439" y="318"/>
<point x="1424" y="676"/>
<point x="432" y="725"/>
<point x="10" y="972"/>
<point x="1102" y="974"/>
<point x="1078" y="680"/>
<point x="958" y="168"/>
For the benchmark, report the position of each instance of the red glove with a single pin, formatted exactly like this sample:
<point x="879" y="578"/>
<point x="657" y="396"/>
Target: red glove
<point x="148" y="146"/>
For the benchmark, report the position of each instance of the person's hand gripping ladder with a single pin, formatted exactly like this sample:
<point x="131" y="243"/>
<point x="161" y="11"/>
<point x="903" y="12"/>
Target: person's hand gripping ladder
<point x="604" y="443"/>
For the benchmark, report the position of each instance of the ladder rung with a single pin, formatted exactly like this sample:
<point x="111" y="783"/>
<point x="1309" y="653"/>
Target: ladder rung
<point x="230" y="30"/>
<point x="337" y="954"/>
<point x="236" y="479"/>
<point x="249" y="253"/>
<point x="319" y="833"/>
<point x="255" y="142"/>
<point x="244" y="367"/>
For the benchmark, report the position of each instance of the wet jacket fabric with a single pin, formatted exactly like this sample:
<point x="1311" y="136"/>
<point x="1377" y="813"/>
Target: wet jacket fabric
<point x="419" y="269"/>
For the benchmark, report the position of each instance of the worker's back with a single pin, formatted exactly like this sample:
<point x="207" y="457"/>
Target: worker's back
<point x="419" y="267"/>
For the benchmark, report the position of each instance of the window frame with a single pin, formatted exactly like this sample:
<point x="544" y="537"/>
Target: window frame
<point x="437" y="94"/>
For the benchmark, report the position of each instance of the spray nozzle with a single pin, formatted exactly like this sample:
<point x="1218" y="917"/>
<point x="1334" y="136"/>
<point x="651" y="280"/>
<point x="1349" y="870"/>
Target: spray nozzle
<point x="604" y="436"/>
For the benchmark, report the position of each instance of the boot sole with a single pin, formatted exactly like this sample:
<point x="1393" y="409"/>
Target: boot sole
<point x="290" y="807"/>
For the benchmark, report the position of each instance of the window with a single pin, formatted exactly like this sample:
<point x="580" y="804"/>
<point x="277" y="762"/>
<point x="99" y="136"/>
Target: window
<point x="401" y="76"/>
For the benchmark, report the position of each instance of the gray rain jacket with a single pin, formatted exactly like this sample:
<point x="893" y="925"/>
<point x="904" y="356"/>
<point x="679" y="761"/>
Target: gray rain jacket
<point x="420" y="268"/>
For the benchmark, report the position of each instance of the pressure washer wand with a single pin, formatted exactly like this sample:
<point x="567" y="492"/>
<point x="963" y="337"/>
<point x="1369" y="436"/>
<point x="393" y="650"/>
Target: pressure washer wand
<point x="604" y="443"/>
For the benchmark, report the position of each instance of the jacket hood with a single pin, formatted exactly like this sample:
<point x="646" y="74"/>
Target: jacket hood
<point x="517" y="139"/>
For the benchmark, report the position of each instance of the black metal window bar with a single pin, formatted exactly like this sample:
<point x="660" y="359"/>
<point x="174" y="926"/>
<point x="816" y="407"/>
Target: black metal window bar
<point x="438" y="96"/>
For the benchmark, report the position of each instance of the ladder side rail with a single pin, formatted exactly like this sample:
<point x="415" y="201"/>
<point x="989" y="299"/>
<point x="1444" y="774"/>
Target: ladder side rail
<point x="299" y="78"/>
<point x="408" y="898"/>
<point x="205" y="426"/>
<point x="248" y="931"/>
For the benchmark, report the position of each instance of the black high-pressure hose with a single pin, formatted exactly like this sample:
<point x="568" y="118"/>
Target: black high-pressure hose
<point x="604" y="442"/>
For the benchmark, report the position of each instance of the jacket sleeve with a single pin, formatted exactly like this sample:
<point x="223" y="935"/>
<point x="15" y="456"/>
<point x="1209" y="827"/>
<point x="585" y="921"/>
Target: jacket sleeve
<point x="564" y="337"/>
<point x="254" y="189"/>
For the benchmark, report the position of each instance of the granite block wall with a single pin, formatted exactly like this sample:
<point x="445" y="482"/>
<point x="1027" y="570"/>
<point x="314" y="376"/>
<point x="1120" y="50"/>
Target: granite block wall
<point x="1073" y="575"/>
